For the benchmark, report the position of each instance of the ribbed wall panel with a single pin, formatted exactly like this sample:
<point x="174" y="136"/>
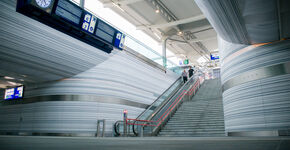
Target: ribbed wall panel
<point x="257" y="57"/>
<point x="256" y="104"/>
<point x="61" y="116"/>
<point x="243" y="21"/>
<point x="121" y="77"/>
<point x="259" y="105"/>
<point x="39" y="52"/>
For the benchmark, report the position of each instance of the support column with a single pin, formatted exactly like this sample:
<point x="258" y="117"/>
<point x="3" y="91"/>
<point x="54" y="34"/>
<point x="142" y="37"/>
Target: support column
<point x="82" y="4"/>
<point x="164" y="40"/>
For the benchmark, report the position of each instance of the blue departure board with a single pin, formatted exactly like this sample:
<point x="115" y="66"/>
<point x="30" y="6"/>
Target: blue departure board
<point x="69" y="18"/>
<point x="68" y="11"/>
<point x="13" y="93"/>
<point x="105" y="31"/>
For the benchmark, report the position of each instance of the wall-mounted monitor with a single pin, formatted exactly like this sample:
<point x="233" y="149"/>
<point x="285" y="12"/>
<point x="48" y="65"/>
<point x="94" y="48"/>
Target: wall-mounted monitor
<point x="105" y="32"/>
<point x="68" y="11"/>
<point x="14" y="93"/>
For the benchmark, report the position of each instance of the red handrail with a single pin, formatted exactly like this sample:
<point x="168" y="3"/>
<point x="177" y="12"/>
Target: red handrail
<point x="180" y="96"/>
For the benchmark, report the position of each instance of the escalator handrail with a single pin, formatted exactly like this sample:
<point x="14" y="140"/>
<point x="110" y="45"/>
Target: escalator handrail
<point x="158" y="98"/>
<point x="167" y="101"/>
<point x="161" y="105"/>
<point x="169" y="97"/>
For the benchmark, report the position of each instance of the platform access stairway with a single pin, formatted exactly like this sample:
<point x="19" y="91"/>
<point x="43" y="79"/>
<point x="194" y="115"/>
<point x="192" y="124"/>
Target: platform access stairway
<point x="201" y="116"/>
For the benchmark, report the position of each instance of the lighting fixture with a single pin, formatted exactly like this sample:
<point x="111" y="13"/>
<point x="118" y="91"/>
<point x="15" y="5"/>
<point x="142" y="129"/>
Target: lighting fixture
<point x="157" y="11"/>
<point x="179" y="33"/>
<point x="9" y="78"/>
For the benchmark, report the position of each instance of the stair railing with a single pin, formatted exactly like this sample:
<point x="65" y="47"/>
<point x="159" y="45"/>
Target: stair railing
<point x="156" y="121"/>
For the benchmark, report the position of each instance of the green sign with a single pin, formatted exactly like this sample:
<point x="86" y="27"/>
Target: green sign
<point x="186" y="62"/>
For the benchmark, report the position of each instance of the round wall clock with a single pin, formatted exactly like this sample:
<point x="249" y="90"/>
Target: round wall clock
<point x="43" y="3"/>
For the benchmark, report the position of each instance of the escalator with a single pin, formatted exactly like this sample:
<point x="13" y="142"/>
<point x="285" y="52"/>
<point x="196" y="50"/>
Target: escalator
<point x="151" y="120"/>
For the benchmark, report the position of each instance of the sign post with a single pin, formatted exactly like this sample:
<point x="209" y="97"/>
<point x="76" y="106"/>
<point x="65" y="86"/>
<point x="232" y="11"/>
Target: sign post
<point x="125" y="113"/>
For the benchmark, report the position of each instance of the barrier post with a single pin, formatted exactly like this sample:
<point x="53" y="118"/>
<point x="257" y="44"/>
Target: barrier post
<point x="125" y="113"/>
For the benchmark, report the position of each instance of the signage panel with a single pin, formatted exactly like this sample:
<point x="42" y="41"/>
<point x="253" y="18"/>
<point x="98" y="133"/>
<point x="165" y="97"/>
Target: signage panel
<point x="105" y="32"/>
<point x="103" y="35"/>
<point x="68" y="11"/>
<point x="214" y="57"/>
<point x="106" y="28"/>
<point x="119" y="40"/>
<point x="9" y="94"/>
<point x="14" y="93"/>
<point x="89" y="23"/>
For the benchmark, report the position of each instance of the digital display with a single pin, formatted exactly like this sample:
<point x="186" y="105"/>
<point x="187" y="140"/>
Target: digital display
<point x="14" y="93"/>
<point x="119" y="40"/>
<point x="105" y="32"/>
<point x="89" y="23"/>
<point x="69" y="11"/>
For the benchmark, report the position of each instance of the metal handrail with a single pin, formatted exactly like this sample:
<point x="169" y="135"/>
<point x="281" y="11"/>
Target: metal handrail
<point x="182" y="92"/>
<point x="159" y="97"/>
<point x="161" y="105"/>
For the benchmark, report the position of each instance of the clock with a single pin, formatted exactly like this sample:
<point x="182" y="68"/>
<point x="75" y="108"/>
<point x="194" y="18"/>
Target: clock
<point x="43" y="3"/>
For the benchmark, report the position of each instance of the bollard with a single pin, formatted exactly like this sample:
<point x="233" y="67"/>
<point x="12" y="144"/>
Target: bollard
<point x="140" y="130"/>
<point x="125" y="112"/>
<point x="98" y="127"/>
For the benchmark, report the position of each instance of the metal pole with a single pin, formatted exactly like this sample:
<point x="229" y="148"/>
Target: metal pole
<point x="98" y="128"/>
<point x="82" y="4"/>
<point x="104" y="125"/>
<point x="164" y="52"/>
<point x="140" y="130"/>
<point x="125" y="122"/>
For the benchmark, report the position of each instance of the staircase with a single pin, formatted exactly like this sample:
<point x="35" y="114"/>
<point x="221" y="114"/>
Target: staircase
<point x="202" y="116"/>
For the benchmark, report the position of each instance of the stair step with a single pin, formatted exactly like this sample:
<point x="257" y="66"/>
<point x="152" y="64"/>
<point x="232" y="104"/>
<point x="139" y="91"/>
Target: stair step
<point x="189" y="133"/>
<point x="194" y="135"/>
<point x="195" y="130"/>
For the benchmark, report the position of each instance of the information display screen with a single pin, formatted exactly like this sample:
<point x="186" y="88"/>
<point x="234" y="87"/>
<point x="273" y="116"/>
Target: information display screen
<point x="14" y="93"/>
<point x="105" y="32"/>
<point x="68" y="11"/>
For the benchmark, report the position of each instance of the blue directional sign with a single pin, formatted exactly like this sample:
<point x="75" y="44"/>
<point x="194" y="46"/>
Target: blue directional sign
<point x="119" y="40"/>
<point x="89" y="23"/>
<point x="214" y="57"/>
<point x="13" y="93"/>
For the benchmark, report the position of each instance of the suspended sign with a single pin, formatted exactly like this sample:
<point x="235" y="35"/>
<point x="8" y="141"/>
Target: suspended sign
<point x="186" y="62"/>
<point x="214" y="57"/>
<point x="71" y="19"/>
<point x="14" y="93"/>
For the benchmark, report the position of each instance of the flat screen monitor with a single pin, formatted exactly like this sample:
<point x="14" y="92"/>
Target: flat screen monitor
<point x="14" y="93"/>
<point x="105" y="31"/>
<point x="68" y="11"/>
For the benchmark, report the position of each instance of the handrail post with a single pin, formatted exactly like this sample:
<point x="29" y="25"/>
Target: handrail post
<point x="140" y="130"/>
<point x="98" y="128"/>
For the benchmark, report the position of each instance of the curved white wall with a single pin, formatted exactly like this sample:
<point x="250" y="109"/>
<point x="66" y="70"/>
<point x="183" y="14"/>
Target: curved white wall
<point x="74" y="105"/>
<point x="35" y="52"/>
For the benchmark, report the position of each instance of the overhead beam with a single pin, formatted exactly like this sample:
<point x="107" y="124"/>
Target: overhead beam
<point x="173" y="23"/>
<point x="121" y="2"/>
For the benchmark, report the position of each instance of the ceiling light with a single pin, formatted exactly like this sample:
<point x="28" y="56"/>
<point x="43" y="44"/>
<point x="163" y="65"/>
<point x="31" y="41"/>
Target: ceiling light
<point x="9" y="78"/>
<point x="179" y="33"/>
<point x="12" y="83"/>
<point x="157" y="11"/>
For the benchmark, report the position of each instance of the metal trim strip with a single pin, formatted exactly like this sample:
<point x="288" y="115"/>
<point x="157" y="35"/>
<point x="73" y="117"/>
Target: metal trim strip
<point x="265" y="72"/>
<point x="90" y="98"/>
